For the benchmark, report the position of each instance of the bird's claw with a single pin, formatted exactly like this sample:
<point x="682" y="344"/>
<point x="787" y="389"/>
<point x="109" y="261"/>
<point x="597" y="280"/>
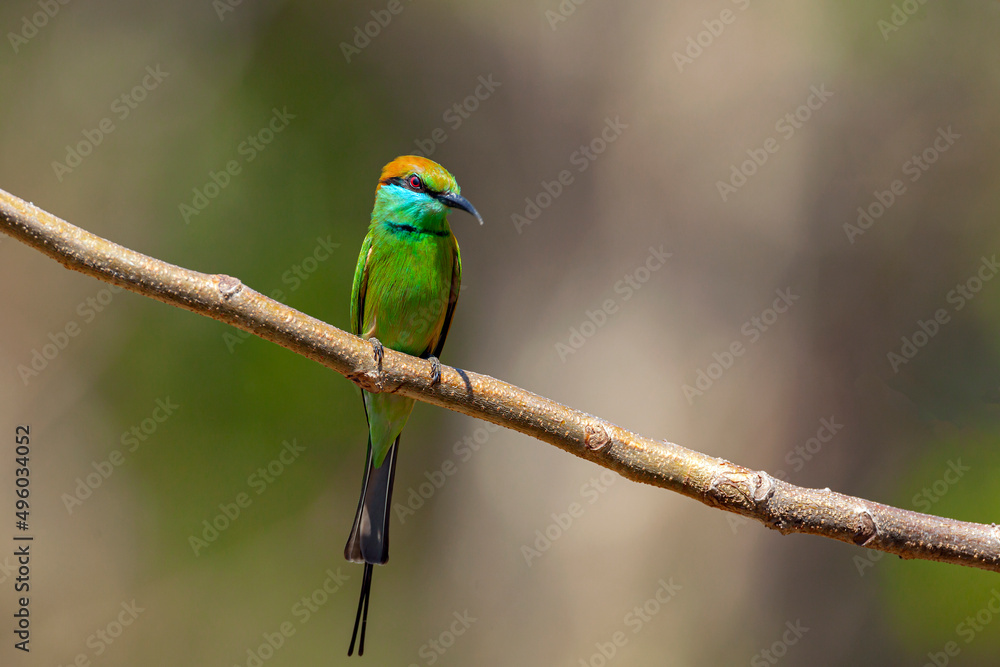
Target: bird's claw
<point x="377" y="351"/>
<point x="435" y="370"/>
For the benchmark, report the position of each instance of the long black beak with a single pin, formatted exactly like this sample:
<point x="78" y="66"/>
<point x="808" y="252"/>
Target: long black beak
<point x="458" y="201"/>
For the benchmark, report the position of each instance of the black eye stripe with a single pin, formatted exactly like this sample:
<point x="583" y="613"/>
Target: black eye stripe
<point x="403" y="183"/>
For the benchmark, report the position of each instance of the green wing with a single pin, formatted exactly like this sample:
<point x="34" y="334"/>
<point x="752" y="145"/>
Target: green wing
<point x="456" y="285"/>
<point x="360" y="288"/>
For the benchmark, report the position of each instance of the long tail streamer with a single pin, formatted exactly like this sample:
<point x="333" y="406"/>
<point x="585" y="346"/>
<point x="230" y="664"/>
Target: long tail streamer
<point x="362" y="615"/>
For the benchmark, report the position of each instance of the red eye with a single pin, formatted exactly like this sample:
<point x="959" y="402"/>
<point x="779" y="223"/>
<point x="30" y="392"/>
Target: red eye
<point x="416" y="183"/>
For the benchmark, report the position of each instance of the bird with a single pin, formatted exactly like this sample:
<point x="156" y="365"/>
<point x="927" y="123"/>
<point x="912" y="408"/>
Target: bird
<point x="405" y="289"/>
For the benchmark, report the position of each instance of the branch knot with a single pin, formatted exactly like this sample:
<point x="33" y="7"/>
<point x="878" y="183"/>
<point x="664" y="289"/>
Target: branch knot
<point x="228" y="286"/>
<point x="865" y="528"/>
<point x="595" y="437"/>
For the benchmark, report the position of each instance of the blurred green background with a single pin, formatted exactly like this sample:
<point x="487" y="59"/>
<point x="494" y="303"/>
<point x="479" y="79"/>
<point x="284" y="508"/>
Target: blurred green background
<point x="505" y="95"/>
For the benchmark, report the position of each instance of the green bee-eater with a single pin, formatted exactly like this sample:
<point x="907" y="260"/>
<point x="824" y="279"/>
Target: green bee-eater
<point x="405" y="289"/>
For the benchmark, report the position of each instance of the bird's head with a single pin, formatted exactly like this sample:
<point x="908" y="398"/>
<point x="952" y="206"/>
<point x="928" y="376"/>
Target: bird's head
<point x="416" y="191"/>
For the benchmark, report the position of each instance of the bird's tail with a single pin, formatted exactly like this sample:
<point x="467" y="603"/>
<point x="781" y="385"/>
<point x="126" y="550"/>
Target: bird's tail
<point x="369" y="540"/>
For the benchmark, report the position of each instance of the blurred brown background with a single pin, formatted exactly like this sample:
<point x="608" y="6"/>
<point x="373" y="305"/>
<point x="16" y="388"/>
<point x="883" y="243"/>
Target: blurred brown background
<point x="833" y="101"/>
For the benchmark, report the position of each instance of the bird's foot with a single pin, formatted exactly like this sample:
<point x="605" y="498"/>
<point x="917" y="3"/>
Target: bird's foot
<point x="435" y="370"/>
<point x="377" y="351"/>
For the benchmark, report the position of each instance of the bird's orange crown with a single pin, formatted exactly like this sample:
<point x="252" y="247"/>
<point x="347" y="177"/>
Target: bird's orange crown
<point x="434" y="176"/>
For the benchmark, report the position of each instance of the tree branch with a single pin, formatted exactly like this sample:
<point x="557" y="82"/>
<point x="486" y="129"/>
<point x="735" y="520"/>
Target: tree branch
<point x="715" y="482"/>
